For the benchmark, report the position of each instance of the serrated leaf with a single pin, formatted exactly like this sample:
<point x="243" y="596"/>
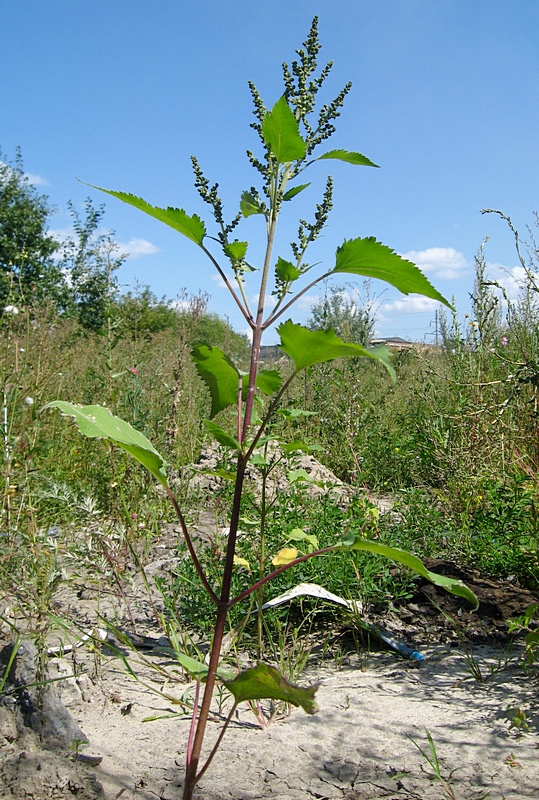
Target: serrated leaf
<point x="192" y="227"/>
<point x="285" y="556"/>
<point x="286" y="271"/>
<point x="452" y="585"/>
<point x="219" y="374"/>
<point x="236" y="251"/>
<point x="306" y="347"/>
<point x="300" y="474"/>
<point x="217" y="473"/>
<point x="249" y="205"/>
<point x="293" y="413"/>
<point x="258" y="460"/>
<point x="268" y="381"/>
<point x="350" y="157"/>
<point x="97" y="422"/>
<point x="222" y="436"/>
<point x="294" y="191"/>
<point x="266" y="683"/>
<point x="371" y="259"/>
<point x="280" y="131"/>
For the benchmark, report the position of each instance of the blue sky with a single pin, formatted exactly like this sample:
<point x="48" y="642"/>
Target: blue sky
<point x="444" y="99"/>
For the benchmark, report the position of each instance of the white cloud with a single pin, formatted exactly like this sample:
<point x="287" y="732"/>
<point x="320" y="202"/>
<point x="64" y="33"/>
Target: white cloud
<point x="63" y="234"/>
<point x="306" y="302"/>
<point x="411" y="304"/>
<point x="269" y="300"/>
<point x="511" y="279"/>
<point x="138" y="248"/>
<point x="36" y="180"/>
<point x="216" y="278"/>
<point x="445" y="263"/>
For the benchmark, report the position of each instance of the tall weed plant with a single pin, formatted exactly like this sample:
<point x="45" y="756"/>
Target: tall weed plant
<point x="292" y="138"/>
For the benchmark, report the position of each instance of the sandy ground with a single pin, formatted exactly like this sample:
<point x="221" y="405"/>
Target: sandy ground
<point x="358" y="746"/>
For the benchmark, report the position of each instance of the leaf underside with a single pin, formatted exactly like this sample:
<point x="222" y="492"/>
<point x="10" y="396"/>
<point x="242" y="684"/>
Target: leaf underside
<point x="264" y="682"/>
<point x="349" y="157"/>
<point x="219" y="374"/>
<point x="97" y="422"/>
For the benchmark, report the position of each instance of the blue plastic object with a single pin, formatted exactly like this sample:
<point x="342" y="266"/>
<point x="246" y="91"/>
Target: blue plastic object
<point x="401" y="648"/>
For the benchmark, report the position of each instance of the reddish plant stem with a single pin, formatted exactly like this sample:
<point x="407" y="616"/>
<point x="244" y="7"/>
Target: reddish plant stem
<point x="190" y="547"/>
<point x="192" y="728"/>
<point x="223" y="606"/>
<point x="276" y="572"/>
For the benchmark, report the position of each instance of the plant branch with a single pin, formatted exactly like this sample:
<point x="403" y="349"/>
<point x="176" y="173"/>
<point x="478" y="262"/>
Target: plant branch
<point x="190" y="547"/>
<point x="218" y="742"/>
<point x="279" y="571"/>
<point x="275" y="316"/>
<point x="245" y="313"/>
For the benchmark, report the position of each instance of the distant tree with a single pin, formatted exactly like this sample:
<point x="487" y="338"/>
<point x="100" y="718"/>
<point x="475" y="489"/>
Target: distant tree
<point x="90" y="261"/>
<point x="28" y="272"/>
<point x="143" y="314"/>
<point x="351" y="315"/>
<point x="215" y="330"/>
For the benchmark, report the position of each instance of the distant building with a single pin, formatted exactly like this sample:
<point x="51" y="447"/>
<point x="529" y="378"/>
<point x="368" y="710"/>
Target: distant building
<point x="396" y="343"/>
<point x="270" y="352"/>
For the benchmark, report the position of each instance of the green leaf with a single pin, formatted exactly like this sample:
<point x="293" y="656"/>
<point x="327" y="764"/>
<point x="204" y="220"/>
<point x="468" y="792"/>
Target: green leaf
<point x="258" y="460"/>
<point x="297" y="535"/>
<point x="266" y="683"/>
<point x="97" y="422"/>
<point x="249" y="205"/>
<point x="280" y="132"/>
<point x="222" y="436"/>
<point x="301" y="475"/>
<point x="452" y="585"/>
<point x="236" y="251"/>
<point x="294" y="191"/>
<point x="268" y="381"/>
<point x="297" y="444"/>
<point x="219" y="374"/>
<point x="192" y="227"/>
<point x="371" y="259"/>
<point x="286" y="271"/>
<point x="307" y="348"/>
<point x="349" y="157"/>
<point x="295" y="413"/>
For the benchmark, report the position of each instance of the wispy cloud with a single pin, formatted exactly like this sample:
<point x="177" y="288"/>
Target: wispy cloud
<point x="138" y="248"/>
<point x="411" y="304"/>
<point x="216" y="278"/>
<point x="444" y="263"/>
<point x="36" y="180"/>
<point x="511" y="279"/>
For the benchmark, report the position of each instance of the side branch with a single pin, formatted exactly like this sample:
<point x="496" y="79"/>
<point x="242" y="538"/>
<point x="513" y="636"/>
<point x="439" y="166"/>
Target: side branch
<point x="245" y="313"/>
<point x="190" y="547"/>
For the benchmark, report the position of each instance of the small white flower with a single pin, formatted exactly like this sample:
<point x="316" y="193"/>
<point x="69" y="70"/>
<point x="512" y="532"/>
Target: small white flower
<point x="29" y="401"/>
<point x="11" y="310"/>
